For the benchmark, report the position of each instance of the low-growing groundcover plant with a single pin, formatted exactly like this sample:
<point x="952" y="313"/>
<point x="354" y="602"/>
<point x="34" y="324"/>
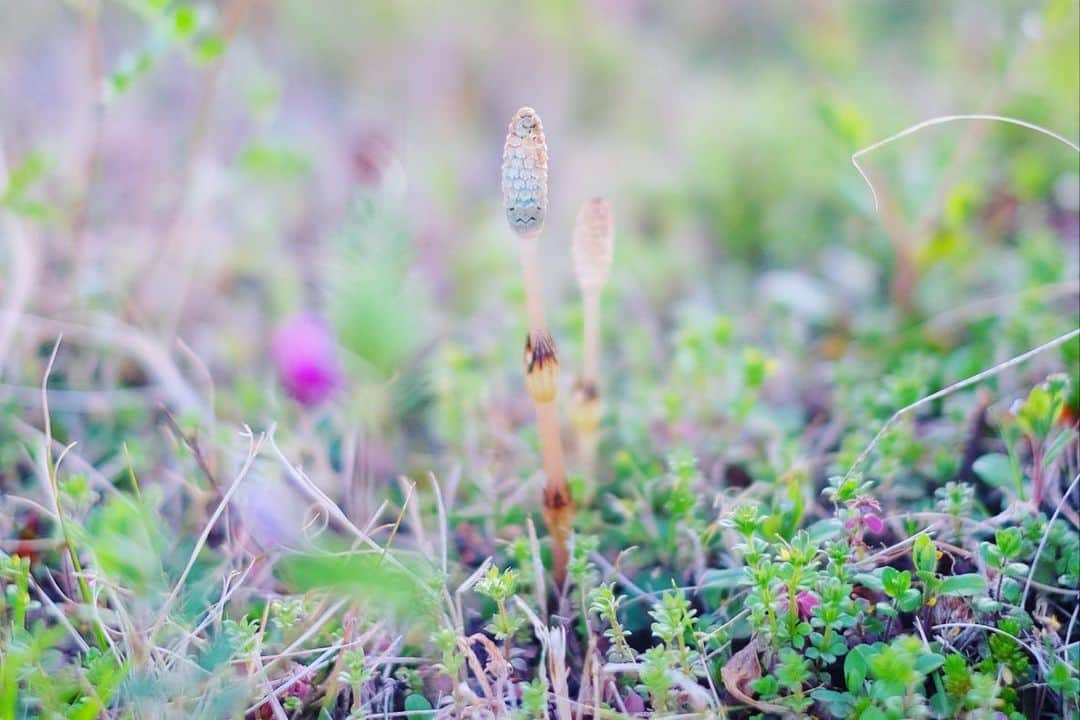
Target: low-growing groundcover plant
<point x="777" y="589"/>
<point x="811" y="507"/>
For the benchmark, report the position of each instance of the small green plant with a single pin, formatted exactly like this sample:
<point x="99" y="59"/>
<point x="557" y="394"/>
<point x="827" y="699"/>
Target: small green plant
<point x="674" y="625"/>
<point x="956" y="499"/>
<point x="1037" y="420"/>
<point x="656" y="677"/>
<point x="500" y="586"/>
<point x="605" y="603"/>
<point x="355" y="674"/>
<point x="534" y="700"/>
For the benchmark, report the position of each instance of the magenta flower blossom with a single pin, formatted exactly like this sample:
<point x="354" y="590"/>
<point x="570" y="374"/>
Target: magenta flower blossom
<point x="866" y="518"/>
<point x="873" y="523"/>
<point x="806" y="601"/>
<point x="305" y="356"/>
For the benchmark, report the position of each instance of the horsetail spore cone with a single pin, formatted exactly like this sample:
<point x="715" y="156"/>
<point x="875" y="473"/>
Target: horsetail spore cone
<point x="524" y="173"/>
<point x="524" y="188"/>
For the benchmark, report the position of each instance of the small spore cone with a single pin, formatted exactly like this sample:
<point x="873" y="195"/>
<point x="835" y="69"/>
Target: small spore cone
<point x="524" y="173"/>
<point x="594" y="244"/>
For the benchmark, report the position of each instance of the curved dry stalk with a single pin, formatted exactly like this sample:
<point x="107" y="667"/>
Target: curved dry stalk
<point x="51" y="472"/>
<point x="524" y="188"/>
<point x="940" y="121"/>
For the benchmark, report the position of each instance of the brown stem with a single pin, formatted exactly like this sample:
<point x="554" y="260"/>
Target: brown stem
<point x="541" y="372"/>
<point x="558" y="505"/>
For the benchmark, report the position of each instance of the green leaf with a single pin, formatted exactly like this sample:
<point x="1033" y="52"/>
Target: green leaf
<point x="845" y="121"/>
<point x="766" y="686"/>
<point x="991" y="554"/>
<point x="105" y="676"/>
<point x="185" y="21"/>
<point x="128" y="542"/>
<point x="367" y="576"/>
<point x="22" y="176"/>
<point x="840" y="704"/>
<point x="725" y="579"/>
<point x="274" y="161"/>
<point x="870" y="581"/>
<point x="995" y="469"/>
<point x="910" y="600"/>
<point x="1017" y="569"/>
<point x="374" y="305"/>
<point x="210" y="48"/>
<point x="417" y="706"/>
<point x="31" y="209"/>
<point x="1061" y="680"/>
<point x="894" y="582"/>
<point x="929" y="662"/>
<point x="965" y="585"/>
<point x="130" y="68"/>
<point x="1009" y="541"/>
<point x="985" y="605"/>
<point x="856" y="667"/>
<point x="924" y="554"/>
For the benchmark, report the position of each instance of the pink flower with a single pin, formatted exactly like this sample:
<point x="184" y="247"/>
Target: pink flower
<point x="305" y="356"/>
<point x="867" y="518"/>
<point x="873" y="523"/>
<point x="806" y="601"/>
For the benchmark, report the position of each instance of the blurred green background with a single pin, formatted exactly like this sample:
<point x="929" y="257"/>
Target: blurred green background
<point x="201" y="170"/>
